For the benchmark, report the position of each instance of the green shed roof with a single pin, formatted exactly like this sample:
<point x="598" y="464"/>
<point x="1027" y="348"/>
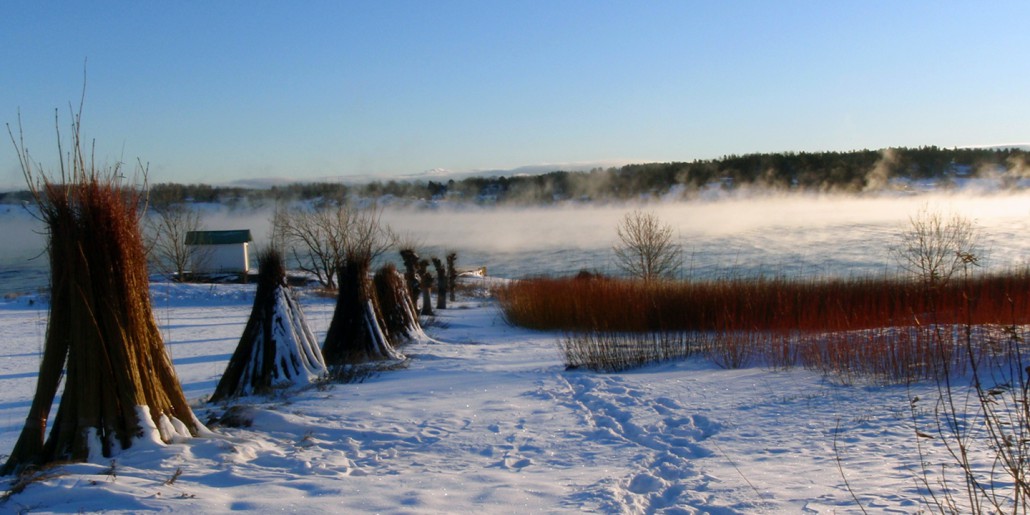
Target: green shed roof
<point x="218" y="237"/>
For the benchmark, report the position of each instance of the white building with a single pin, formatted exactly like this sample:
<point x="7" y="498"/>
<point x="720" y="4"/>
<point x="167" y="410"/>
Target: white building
<point x="220" y="251"/>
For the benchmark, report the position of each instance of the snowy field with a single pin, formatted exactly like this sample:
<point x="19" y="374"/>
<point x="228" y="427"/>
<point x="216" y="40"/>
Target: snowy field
<point x="484" y="419"/>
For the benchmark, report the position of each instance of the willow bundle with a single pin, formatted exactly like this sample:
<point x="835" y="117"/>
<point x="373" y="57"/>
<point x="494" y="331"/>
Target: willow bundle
<point x="399" y="316"/>
<point x="277" y="349"/>
<point x="355" y="334"/>
<point x="120" y="383"/>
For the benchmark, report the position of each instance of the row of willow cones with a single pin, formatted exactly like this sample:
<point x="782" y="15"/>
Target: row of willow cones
<point x="102" y="337"/>
<point x="278" y="350"/>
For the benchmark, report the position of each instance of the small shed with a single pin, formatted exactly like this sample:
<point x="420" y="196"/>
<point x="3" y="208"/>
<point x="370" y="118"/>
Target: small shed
<point x="220" y="251"/>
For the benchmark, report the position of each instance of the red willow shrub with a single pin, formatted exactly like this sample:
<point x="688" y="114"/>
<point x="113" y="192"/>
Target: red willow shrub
<point x="894" y="330"/>
<point x="762" y="304"/>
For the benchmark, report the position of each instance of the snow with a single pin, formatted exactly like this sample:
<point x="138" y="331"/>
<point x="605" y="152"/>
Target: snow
<point x="484" y="417"/>
<point x="296" y="358"/>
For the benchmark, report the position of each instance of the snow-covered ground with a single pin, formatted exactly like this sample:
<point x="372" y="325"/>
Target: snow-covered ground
<point x="486" y="418"/>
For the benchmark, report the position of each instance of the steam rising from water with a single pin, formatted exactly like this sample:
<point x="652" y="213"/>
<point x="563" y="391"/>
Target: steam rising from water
<point x="817" y="234"/>
<point x="793" y="235"/>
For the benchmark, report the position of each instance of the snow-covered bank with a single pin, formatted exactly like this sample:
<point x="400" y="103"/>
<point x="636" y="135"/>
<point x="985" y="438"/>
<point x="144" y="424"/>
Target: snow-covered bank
<point x="488" y="421"/>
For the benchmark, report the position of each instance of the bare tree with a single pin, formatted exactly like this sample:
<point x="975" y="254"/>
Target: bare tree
<point x="935" y="246"/>
<point x="315" y="237"/>
<point x="165" y="234"/>
<point x="646" y="247"/>
<point x="368" y="235"/>
<point x="319" y="237"/>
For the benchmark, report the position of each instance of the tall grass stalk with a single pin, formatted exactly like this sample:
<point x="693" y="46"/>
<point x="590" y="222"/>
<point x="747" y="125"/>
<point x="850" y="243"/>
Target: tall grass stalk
<point x="613" y="352"/>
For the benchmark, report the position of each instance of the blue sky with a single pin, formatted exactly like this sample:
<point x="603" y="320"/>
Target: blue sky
<point x="221" y="91"/>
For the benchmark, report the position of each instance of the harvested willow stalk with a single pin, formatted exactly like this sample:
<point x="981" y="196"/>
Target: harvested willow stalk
<point x="120" y="385"/>
<point x="277" y="349"/>
<point x="399" y="316"/>
<point x="355" y="334"/>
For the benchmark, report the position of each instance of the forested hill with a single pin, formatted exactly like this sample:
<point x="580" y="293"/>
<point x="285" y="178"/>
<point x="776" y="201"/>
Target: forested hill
<point x="854" y="171"/>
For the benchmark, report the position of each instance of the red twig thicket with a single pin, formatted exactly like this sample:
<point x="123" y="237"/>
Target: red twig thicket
<point x="897" y="329"/>
<point x="762" y="304"/>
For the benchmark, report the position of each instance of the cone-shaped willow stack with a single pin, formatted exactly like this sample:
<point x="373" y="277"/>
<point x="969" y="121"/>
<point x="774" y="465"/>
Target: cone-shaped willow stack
<point x="120" y="385"/>
<point x="277" y="349"/>
<point x="355" y="334"/>
<point x="399" y="316"/>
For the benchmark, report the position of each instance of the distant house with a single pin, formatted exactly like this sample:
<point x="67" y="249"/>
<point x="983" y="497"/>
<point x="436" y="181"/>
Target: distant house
<point x="220" y="251"/>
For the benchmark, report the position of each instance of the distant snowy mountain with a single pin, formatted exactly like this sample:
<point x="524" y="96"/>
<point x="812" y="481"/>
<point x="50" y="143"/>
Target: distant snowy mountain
<point x="1001" y="146"/>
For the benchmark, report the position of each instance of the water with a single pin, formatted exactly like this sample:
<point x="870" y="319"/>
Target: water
<point x="23" y="259"/>
<point x="789" y="236"/>
<point x="745" y="255"/>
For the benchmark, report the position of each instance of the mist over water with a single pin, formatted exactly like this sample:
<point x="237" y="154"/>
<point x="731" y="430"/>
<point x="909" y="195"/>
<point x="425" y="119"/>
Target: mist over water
<point x="23" y="258"/>
<point x="808" y="235"/>
<point x="793" y="235"/>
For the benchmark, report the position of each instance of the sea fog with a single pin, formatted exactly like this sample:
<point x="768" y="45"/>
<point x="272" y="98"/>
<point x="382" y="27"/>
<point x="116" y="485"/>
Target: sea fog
<point x="792" y="235"/>
<point x="822" y="235"/>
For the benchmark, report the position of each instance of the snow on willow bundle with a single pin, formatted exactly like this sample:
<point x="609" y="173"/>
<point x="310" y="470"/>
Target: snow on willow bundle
<point x="277" y="349"/>
<point x="355" y="334"/>
<point x="400" y="318"/>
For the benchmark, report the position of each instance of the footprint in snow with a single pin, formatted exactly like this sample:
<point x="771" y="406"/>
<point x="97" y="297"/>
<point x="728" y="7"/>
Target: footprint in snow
<point x="513" y="463"/>
<point x="645" y="483"/>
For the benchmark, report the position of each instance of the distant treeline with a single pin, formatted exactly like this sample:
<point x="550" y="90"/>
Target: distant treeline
<point x="853" y="171"/>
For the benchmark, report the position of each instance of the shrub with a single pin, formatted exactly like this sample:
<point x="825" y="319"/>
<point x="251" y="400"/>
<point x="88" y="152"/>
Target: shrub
<point x="885" y="330"/>
<point x="762" y="304"/>
<point x="612" y="352"/>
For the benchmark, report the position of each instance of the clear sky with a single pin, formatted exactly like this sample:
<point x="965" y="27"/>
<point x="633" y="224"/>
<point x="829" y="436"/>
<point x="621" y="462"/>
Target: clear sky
<point x="216" y="91"/>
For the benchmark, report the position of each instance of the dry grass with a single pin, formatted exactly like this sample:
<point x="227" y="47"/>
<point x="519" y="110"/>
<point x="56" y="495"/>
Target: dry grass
<point x="30" y="476"/>
<point x="611" y="352"/>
